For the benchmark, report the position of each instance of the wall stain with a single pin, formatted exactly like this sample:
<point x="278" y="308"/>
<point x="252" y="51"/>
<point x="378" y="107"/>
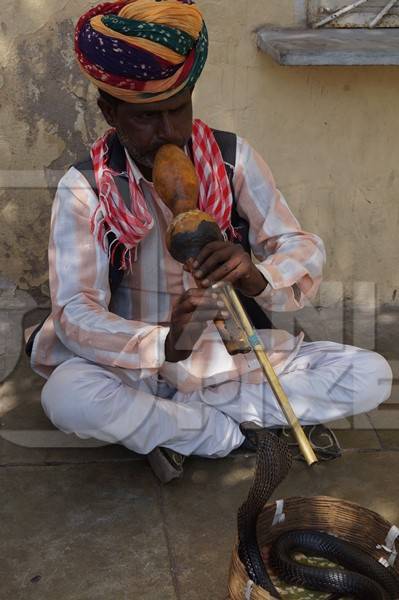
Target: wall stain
<point x="48" y="96"/>
<point x="51" y="97"/>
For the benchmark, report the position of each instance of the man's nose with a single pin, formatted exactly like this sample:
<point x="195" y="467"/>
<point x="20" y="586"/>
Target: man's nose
<point x="169" y="132"/>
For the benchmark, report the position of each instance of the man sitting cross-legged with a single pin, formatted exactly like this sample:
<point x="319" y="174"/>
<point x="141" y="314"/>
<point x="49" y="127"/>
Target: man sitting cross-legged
<point x="114" y="366"/>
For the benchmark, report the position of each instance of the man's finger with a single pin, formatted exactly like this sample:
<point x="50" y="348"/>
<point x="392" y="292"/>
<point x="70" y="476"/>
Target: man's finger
<point x="194" y="303"/>
<point x="207" y="251"/>
<point x="222" y="273"/>
<point x="235" y="275"/>
<point x="195" y="294"/>
<point x="218" y="257"/>
<point x="200" y="316"/>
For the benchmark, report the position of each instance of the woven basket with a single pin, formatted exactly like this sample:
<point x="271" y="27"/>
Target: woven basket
<point x="344" y="519"/>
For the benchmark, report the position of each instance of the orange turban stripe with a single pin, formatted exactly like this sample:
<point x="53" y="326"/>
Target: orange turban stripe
<point x="142" y="50"/>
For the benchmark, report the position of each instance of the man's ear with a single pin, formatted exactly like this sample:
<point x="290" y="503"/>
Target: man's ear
<point x="108" y="111"/>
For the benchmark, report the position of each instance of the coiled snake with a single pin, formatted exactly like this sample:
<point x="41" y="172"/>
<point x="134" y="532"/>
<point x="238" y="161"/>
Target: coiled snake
<point x="362" y="577"/>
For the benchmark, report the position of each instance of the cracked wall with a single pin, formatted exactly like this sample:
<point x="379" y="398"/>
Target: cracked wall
<point x="330" y="136"/>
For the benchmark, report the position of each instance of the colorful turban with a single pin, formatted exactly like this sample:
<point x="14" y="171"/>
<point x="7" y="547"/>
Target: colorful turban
<point x="142" y="50"/>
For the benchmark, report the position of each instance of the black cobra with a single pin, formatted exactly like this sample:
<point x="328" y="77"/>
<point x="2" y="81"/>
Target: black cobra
<point x="362" y="576"/>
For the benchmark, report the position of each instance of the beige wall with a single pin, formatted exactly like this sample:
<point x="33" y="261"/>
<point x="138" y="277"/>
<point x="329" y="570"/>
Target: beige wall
<point x="330" y="135"/>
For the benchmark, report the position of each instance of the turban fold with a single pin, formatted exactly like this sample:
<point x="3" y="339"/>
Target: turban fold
<point x="142" y="50"/>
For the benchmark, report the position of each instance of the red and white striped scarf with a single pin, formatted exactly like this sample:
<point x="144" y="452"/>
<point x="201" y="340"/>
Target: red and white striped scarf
<point x="131" y="225"/>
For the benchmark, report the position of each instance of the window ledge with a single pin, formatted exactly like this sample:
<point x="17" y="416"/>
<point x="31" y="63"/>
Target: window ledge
<point x="330" y="46"/>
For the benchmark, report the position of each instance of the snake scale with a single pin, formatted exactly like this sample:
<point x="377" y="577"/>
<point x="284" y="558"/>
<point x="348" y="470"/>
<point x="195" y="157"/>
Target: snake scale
<point x="362" y="577"/>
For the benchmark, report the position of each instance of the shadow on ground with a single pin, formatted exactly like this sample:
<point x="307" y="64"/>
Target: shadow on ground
<point x="82" y="521"/>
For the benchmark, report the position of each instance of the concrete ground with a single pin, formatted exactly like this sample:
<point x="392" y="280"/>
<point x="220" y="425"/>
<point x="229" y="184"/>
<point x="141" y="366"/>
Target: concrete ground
<point x="92" y="523"/>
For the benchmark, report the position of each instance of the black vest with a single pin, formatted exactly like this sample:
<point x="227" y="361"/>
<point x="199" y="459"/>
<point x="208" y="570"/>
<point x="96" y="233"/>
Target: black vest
<point x="117" y="161"/>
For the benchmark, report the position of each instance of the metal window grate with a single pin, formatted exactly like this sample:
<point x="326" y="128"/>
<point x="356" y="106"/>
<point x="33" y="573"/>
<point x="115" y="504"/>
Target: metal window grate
<point x="360" y="16"/>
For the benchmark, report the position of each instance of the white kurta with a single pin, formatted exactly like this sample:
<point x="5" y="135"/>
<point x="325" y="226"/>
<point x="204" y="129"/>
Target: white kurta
<point x="324" y="382"/>
<point x="130" y="331"/>
<point x="104" y="357"/>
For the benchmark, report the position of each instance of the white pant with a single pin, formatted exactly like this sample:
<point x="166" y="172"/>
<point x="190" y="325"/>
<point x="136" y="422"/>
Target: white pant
<point x="325" y="382"/>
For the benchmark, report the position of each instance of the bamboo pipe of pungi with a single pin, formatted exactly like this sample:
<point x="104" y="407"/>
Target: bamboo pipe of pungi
<point x="176" y="182"/>
<point x="235" y="308"/>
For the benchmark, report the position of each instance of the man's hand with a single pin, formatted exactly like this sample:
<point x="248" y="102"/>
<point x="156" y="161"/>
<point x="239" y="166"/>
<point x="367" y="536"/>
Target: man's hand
<point x="190" y="315"/>
<point x="225" y="261"/>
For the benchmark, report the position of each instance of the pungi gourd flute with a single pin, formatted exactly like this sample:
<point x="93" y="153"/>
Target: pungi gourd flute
<point x="176" y="182"/>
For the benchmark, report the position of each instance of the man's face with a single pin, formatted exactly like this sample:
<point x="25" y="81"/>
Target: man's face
<point x="144" y="128"/>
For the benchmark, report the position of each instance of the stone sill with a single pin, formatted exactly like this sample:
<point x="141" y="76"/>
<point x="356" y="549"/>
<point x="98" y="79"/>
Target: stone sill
<point x="298" y="47"/>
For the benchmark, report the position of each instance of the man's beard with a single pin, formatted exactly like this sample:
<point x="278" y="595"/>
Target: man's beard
<point x="146" y="160"/>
